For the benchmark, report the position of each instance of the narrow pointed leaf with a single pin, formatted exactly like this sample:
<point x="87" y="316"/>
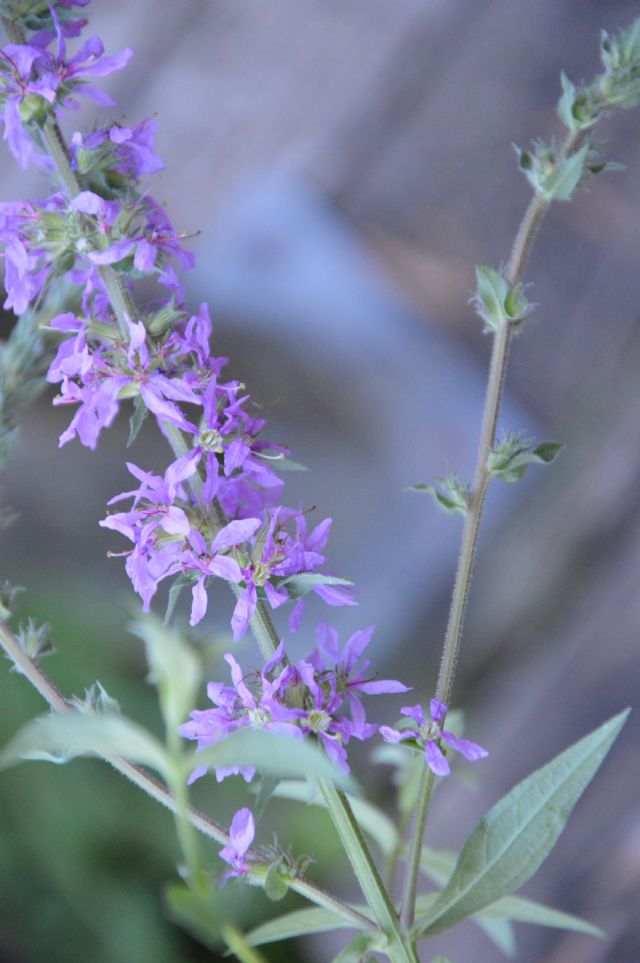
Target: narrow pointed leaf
<point x="519" y="832"/>
<point x="300" y="585"/>
<point x="70" y="734"/>
<point x="500" y="932"/>
<point x="523" y="910"/>
<point x="299" y="923"/>
<point x="174" y="667"/>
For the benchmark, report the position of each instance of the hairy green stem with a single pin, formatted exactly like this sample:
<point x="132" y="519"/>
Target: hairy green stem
<point x="400" y="949"/>
<point x="415" y="848"/>
<point x="520" y="251"/>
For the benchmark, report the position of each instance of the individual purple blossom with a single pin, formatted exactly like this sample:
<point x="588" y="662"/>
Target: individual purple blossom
<point x="241" y="835"/>
<point x="128" y="150"/>
<point x="430" y="734"/>
<point x="166" y="543"/>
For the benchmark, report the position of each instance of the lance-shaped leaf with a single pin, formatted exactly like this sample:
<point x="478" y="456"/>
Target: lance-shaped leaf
<point x="438" y="865"/>
<point x="519" y="832"/>
<point x="270" y="753"/>
<point x="66" y="735"/>
<point x="298" y="923"/>
<point x="300" y="585"/>
<point x="522" y="910"/>
<point x="174" y="668"/>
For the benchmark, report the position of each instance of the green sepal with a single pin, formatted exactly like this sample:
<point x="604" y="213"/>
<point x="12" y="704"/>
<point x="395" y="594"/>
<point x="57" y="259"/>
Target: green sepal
<point x="276" y="882"/>
<point x="181" y="581"/>
<point x="136" y="420"/>
<point x="509" y="459"/>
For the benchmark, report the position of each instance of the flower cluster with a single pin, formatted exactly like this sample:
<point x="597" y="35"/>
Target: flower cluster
<point x="429" y="736"/>
<point x="215" y="512"/>
<point x="305" y="699"/>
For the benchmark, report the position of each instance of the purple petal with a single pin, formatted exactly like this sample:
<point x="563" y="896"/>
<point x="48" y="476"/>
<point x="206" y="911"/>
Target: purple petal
<point x="379" y="686"/>
<point x="395" y="735"/>
<point x="225" y="567"/>
<point x="334" y="596"/>
<point x="235" y="533"/>
<point x="435" y="759"/>
<point x="414" y="712"/>
<point x="199" y="605"/>
<point x="356" y="645"/>
<point x="245" y="607"/>
<point x="438" y="711"/>
<point x="295" y="619"/>
<point x="470" y="750"/>
<point x="242" y="831"/>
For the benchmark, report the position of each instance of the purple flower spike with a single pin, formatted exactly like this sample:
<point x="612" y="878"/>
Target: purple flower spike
<point x="241" y="835"/>
<point x="430" y="735"/>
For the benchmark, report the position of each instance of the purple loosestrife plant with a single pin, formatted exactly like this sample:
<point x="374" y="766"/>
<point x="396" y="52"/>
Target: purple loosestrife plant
<point x="216" y="512"/>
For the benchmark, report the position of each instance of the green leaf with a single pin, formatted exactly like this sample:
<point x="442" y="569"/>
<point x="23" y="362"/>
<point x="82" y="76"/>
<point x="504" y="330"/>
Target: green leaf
<point x="271" y="753"/>
<point x="360" y="947"/>
<point x="174" y="668"/>
<point x="492" y="289"/>
<point x="373" y="821"/>
<point x="529" y="911"/>
<point x="298" y="923"/>
<point x="509" y="459"/>
<point x="561" y="182"/>
<point x="65" y="735"/>
<point x="519" y="832"/>
<point x="452" y="496"/>
<point x="300" y="585"/>
<point x="137" y="419"/>
<point x="500" y="932"/>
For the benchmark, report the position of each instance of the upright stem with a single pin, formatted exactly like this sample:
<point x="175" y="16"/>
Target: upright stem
<point x="520" y="251"/>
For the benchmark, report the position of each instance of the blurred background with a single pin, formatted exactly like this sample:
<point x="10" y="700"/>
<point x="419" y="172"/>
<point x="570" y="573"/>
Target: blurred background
<point x="347" y="162"/>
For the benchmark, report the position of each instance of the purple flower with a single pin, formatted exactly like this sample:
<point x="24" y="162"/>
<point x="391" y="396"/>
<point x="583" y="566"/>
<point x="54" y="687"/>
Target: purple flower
<point x="301" y="700"/>
<point x="430" y="735"/>
<point x="257" y="706"/>
<point x="165" y="540"/>
<point x="241" y="834"/>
